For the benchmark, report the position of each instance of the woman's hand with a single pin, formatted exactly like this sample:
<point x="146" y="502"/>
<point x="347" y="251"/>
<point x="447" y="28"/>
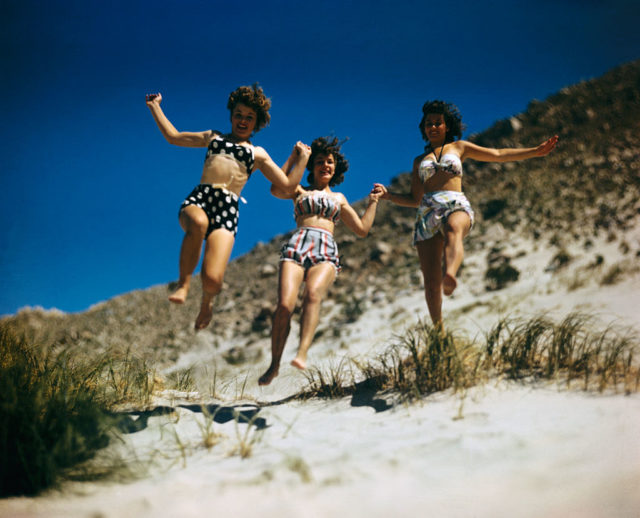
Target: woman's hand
<point x="547" y="146"/>
<point x="153" y="99"/>
<point x="302" y="150"/>
<point x="380" y="191"/>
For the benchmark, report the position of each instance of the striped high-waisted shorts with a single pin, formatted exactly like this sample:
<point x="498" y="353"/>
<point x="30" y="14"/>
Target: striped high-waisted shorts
<point x="434" y="210"/>
<point x="220" y="206"/>
<point x="309" y="246"/>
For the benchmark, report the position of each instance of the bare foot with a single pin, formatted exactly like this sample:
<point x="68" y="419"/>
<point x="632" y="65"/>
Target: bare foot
<point x="180" y="295"/>
<point x="206" y="314"/>
<point x="268" y="376"/>
<point x="299" y="364"/>
<point x="449" y="284"/>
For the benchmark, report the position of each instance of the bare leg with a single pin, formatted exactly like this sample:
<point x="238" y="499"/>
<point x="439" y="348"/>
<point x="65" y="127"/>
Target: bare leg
<point x="455" y="229"/>
<point x="319" y="278"/>
<point x="194" y="222"/>
<point x="217" y="252"/>
<point x="430" y="255"/>
<point x="291" y="276"/>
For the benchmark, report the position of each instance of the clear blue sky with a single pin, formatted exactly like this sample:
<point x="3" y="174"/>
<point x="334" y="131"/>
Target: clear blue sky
<point x="90" y="189"/>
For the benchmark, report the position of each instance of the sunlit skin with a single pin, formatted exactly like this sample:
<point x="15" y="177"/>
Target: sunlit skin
<point x="318" y="278"/>
<point x="447" y="246"/>
<point x="194" y="221"/>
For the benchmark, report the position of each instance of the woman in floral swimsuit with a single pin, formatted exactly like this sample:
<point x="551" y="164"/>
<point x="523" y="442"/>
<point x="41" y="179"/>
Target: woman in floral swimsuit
<point x="444" y="214"/>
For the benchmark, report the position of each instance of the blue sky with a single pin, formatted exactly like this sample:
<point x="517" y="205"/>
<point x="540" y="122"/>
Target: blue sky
<point x="90" y="189"/>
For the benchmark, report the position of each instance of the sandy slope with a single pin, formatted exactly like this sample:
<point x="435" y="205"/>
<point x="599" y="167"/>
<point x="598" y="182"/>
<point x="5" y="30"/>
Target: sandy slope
<point x="505" y="449"/>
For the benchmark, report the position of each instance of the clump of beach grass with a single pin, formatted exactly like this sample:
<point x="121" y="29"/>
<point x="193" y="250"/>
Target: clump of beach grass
<point x="52" y="416"/>
<point x="570" y="350"/>
<point x="56" y="412"/>
<point x="423" y="361"/>
<point x="427" y="360"/>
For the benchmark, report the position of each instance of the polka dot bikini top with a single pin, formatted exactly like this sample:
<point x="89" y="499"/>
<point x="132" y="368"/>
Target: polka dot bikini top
<point x="317" y="203"/>
<point x="242" y="154"/>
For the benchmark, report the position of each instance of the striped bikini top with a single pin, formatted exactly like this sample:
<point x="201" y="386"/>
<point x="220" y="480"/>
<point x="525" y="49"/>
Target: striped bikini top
<point x="242" y="154"/>
<point x="449" y="163"/>
<point x="317" y="203"/>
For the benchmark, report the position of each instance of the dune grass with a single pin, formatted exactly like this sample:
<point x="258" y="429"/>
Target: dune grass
<point x="52" y="416"/>
<point x="60" y="409"/>
<point x="426" y="360"/>
<point x="56" y="408"/>
<point x="55" y="411"/>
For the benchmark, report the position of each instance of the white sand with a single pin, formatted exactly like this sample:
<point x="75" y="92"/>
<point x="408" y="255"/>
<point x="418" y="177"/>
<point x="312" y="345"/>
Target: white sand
<point x="505" y="449"/>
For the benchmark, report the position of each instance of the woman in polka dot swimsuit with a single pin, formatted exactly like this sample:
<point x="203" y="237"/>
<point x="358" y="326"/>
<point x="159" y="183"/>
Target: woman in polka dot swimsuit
<point x="210" y="211"/>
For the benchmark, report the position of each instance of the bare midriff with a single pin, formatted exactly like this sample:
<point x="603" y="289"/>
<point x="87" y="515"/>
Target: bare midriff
<point x="442" y="181"/>
<point x="316" y="222"/>
<point x="225" y="172"/>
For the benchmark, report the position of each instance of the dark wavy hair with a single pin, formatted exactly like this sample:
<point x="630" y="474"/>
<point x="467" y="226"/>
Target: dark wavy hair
<point x="452" y="119"/>
<point x="252" y="96"/>
<point x="328" y="146"/>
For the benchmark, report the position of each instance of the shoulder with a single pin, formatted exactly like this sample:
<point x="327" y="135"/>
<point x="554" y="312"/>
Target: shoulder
<point x="340" y="198"/>
<point x="420" y="157"/>
<point x="260" y="153"/>
<point x="417" y="160"/>
<point x="211" y="134"/>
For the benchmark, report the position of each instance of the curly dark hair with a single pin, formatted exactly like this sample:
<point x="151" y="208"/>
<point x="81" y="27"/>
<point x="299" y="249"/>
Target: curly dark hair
<point x="452" y="119"/>
<point x="252" y="96"/>
<point x="328" y="146"/>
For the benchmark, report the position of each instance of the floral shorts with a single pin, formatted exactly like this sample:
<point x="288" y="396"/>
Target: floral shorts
<point x="434" y="210"/>
<point x="309" y="246"/>
<point x="220" y="206"/>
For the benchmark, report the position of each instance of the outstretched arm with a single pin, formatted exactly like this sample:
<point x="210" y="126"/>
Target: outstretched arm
<point x="360" y="226"/>
<point x="173" y="136"/>
<point x="405" y="200"/>
<point x="485" y="154"/>
<point x="285" y="182"/>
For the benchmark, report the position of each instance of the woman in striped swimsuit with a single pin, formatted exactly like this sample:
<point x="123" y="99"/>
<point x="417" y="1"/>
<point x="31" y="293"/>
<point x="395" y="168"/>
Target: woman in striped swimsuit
<point x="311" y="254"/>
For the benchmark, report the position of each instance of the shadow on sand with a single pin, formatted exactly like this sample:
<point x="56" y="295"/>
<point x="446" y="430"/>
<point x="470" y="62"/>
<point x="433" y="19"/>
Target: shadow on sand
<point x="136" y="421"/>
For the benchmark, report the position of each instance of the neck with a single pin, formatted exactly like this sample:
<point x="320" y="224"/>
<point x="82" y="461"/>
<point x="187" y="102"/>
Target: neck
<point x="235" y="138"/>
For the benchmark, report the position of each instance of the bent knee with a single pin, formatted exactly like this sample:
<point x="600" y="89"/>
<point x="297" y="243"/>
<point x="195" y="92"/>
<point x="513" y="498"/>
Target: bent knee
<point x="212" y="281"/>
<point x="314" y="295"/>
<point x="285" y="309"/>
<point x="195" y="222"/>
<point x="458" y="223"/>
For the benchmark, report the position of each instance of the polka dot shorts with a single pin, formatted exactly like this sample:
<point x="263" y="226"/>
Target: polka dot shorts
<point x="220" y="206"/>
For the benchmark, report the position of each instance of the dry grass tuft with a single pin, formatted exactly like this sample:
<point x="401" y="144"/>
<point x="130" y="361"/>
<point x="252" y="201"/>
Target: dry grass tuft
<point x="427" y="360"/>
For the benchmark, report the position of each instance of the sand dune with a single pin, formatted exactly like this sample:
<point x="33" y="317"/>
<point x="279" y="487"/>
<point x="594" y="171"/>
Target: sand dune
<point x="501" y="449"/>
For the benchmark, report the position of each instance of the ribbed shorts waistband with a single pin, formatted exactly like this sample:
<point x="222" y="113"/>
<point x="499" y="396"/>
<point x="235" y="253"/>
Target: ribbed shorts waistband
<point x="323" y="230"/>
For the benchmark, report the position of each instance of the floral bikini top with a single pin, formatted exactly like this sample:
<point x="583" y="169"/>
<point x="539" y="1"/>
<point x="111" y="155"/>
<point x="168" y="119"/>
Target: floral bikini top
<point x="318" y="203"/>
<point x="242" y="154"/>
<point x="449" y="163"/>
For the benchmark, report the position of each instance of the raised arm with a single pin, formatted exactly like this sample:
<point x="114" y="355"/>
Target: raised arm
<point x="297" y="160"/>
<point x="485" y="154"/>
<point x="285" y="183"/>
<point x="169" y="132"/>
<point x="360" y="226"/>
